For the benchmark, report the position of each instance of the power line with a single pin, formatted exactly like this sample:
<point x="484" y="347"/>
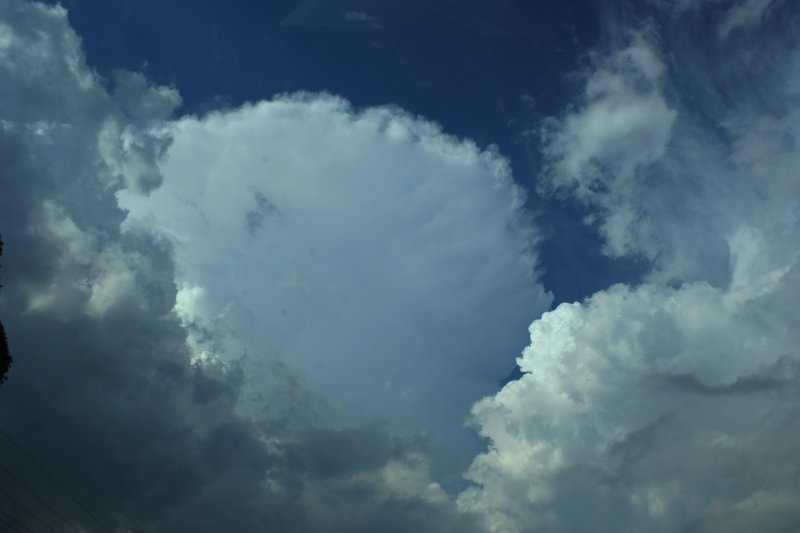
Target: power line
<point x="86" y="477"/>
<point x="51" y="440"/>
<point x="11" y="526"/>
<point x="11" y="517"/>
<point x="24" y="508"/>
<point x="44" y="471"/>
<point x="38" y="498"/>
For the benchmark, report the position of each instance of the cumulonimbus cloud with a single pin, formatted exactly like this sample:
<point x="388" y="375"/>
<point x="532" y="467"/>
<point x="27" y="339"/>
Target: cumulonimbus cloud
<point x="389" y="264"/>
<point x="104" y="364"/>
<point x="421" y="253"/>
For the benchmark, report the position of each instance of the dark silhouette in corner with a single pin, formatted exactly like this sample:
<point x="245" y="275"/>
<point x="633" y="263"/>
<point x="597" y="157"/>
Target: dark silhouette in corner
<point x="5" y="355"/>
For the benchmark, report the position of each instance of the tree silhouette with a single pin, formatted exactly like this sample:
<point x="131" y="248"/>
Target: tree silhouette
<point x="5" y="355"/>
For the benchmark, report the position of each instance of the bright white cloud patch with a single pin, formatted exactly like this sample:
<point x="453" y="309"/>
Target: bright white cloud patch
<point x="667" y="407"/>
<point x="387" y="262"/>
<point x="644" y="408"/>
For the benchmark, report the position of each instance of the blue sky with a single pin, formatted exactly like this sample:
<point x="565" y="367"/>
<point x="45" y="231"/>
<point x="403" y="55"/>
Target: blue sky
<point x="494" y="89"/>
<point x="356" y="265"/>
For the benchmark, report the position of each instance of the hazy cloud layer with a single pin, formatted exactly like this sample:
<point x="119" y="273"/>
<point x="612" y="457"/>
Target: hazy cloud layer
<point x="668" y="407"/>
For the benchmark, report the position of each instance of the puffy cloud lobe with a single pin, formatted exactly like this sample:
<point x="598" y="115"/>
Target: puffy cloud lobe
<point x="368" y="250"/>
<point x="645" y="408"/>
<point x="103" y="362"/>
<point x="669" y="407"/>
<point x="60" y="99"/>
<point x="137" y="147"/>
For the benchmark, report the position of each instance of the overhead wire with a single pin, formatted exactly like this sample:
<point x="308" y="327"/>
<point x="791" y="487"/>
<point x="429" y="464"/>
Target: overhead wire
<point x="14" y="403"/>
<point x="89" y="480"/>
<point x="9" y="516"/>
<point x="38" y="498"/>
<point x="49" y="476"/>
<point x="28" y="511"/>
<point x="10" y="526"/>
